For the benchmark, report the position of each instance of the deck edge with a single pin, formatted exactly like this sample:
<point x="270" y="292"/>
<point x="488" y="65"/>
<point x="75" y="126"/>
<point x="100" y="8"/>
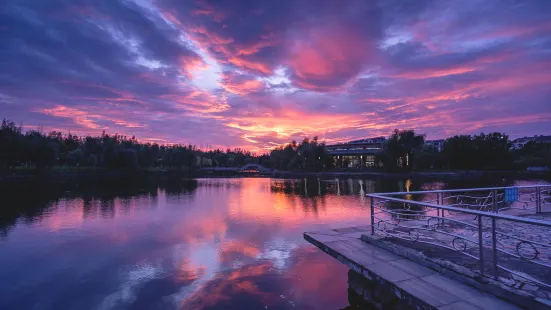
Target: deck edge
<point x="461" y="274"/>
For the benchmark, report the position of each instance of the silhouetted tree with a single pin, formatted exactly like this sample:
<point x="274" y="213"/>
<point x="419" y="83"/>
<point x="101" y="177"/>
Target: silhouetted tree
<point x="484" y="151"/>
<point x="308" y="155"/>
<point x="44" y="151"/>
<point x="533" y="154"/>
<point x="399" y="149"/>
<point x="404" y="150"/>
<point x="11" y="145"/>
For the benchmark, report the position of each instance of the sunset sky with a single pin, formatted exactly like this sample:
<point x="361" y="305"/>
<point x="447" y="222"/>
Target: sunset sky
<point x="255" y="74"/>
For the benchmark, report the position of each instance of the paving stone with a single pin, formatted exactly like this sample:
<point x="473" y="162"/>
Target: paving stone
<point x="412" y="267"/>
<point x="366" y="228"/>
<point x="390" y="273"/>
<point x="384" y="254"/>
<point x="350" y="251"/>
<point x="460" y="305"/>
<point x="453" y="287"/>
<point x="346" y="230"/>
<point x="329" y="232"/>
<point x="326" y="238"/>
<point x="427" y="292"/>
<point x="343" y="248"/>
<point x="353" y="235"/>
<point x="490" y="302"/>
<point x="374" y="250"/>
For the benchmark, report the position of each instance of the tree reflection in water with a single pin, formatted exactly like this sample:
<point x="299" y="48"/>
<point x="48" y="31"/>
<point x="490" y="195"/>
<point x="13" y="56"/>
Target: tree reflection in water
<point x="29" y="200"/>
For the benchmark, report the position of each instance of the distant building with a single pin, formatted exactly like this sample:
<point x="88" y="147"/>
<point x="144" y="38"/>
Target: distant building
<point x="521" y="142"/>
<point x="357" y="153"/>
<point x="437" y="144"/>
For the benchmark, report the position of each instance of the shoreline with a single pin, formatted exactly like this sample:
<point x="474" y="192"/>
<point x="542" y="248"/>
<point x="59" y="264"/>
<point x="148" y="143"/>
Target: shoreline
<point x="461" y="174"/>
<point x="105" y="173"/>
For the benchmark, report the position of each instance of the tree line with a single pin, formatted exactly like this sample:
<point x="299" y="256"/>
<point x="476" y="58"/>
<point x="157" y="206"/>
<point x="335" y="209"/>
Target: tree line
<point x="407" y="150"/>
<point x="44" y="151"/>
<point x="305" y="155"/>
<point x="403" y="150"/>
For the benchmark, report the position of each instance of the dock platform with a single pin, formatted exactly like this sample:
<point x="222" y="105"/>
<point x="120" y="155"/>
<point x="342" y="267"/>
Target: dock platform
<point x="412" y="283"/>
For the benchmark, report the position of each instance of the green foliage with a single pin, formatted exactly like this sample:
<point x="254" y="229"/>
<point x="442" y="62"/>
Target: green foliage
<point x="308" y="155"/>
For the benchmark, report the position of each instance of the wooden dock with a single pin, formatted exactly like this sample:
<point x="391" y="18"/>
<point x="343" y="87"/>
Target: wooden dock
<point x="412" y="283"/>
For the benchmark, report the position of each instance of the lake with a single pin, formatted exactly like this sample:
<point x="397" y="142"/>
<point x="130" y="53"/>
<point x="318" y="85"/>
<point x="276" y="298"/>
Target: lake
<point x="182" y="244"/>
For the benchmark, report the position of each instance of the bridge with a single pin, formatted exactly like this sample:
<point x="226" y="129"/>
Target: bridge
<point x="249" y="168"/>
<point x="254" y="168"/>
<point x="478" y="248"/>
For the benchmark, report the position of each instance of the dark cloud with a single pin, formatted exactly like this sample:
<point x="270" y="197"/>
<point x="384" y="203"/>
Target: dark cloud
<point x="323" y="43"/>
<point x="274" y="70"/>
<point x="88" y="65"/>
<point x="87" y="49"/>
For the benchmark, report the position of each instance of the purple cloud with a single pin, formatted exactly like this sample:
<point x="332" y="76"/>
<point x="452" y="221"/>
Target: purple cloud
<point x="254" y="74"/>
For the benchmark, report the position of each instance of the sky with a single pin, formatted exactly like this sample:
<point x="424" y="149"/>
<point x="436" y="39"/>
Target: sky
<point x="254" y="74"/>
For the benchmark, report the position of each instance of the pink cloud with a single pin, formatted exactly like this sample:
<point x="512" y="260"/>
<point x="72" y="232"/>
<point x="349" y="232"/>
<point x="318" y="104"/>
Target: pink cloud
<point x="279" y="70"/>
<point x="196" y="100"/>
<point x="239" y="55"/>
<point x="326" y="58"/>
<point x="79" y="117"/>
<point x="240" y="84"/>
<point x="432" y="73"/>
<point x="86" y="119"/>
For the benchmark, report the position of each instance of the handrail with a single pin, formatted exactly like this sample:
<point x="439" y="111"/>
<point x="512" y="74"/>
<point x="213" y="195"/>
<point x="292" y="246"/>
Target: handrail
<point x="462" y="190"/>
<point x="534" y="251"/>
<point x="474" y="212"/>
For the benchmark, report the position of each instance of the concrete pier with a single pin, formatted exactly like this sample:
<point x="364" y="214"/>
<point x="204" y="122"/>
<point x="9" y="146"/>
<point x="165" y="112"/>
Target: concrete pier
<point x="413" y="284"/>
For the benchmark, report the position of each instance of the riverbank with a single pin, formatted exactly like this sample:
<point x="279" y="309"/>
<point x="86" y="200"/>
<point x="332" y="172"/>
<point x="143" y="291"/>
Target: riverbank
<point x="464" y="175"/>
<point x="86" y="173"/>
<point x="67" y="174"/>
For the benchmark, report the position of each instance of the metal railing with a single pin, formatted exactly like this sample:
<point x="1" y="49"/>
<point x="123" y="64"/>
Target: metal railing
<point x="482" y="224"/>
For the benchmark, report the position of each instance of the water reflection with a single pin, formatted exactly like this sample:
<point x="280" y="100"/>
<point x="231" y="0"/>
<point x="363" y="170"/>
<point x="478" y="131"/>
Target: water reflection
<point x="29" y="201"/>
<point x="178" y="244"/>
<point x="343" y="187"/>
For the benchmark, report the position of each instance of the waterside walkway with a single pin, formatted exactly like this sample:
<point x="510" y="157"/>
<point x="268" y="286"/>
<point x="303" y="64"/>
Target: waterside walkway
<point x="484" y="248"/>
<point x="416" y="285"/>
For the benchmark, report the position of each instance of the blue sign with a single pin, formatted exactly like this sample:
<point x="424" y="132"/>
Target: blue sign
<point x="511" y="194"/>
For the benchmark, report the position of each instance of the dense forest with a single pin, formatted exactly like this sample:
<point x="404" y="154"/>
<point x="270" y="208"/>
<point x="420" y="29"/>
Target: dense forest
<point x="403" y="150"/>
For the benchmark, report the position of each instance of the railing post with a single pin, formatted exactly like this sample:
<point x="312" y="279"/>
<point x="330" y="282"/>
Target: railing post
<point x="494" y="246"/>
<point x="494" y="200"/>
<point x="538" y="199"/>
<point x="372" y="217"/>
<point x="438" y="209"/>
<point x="442" y="203"/>
<point x="480" y="245"/>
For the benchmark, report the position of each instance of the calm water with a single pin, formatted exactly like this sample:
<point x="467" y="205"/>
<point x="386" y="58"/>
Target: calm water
<point x="186" y="244"/>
